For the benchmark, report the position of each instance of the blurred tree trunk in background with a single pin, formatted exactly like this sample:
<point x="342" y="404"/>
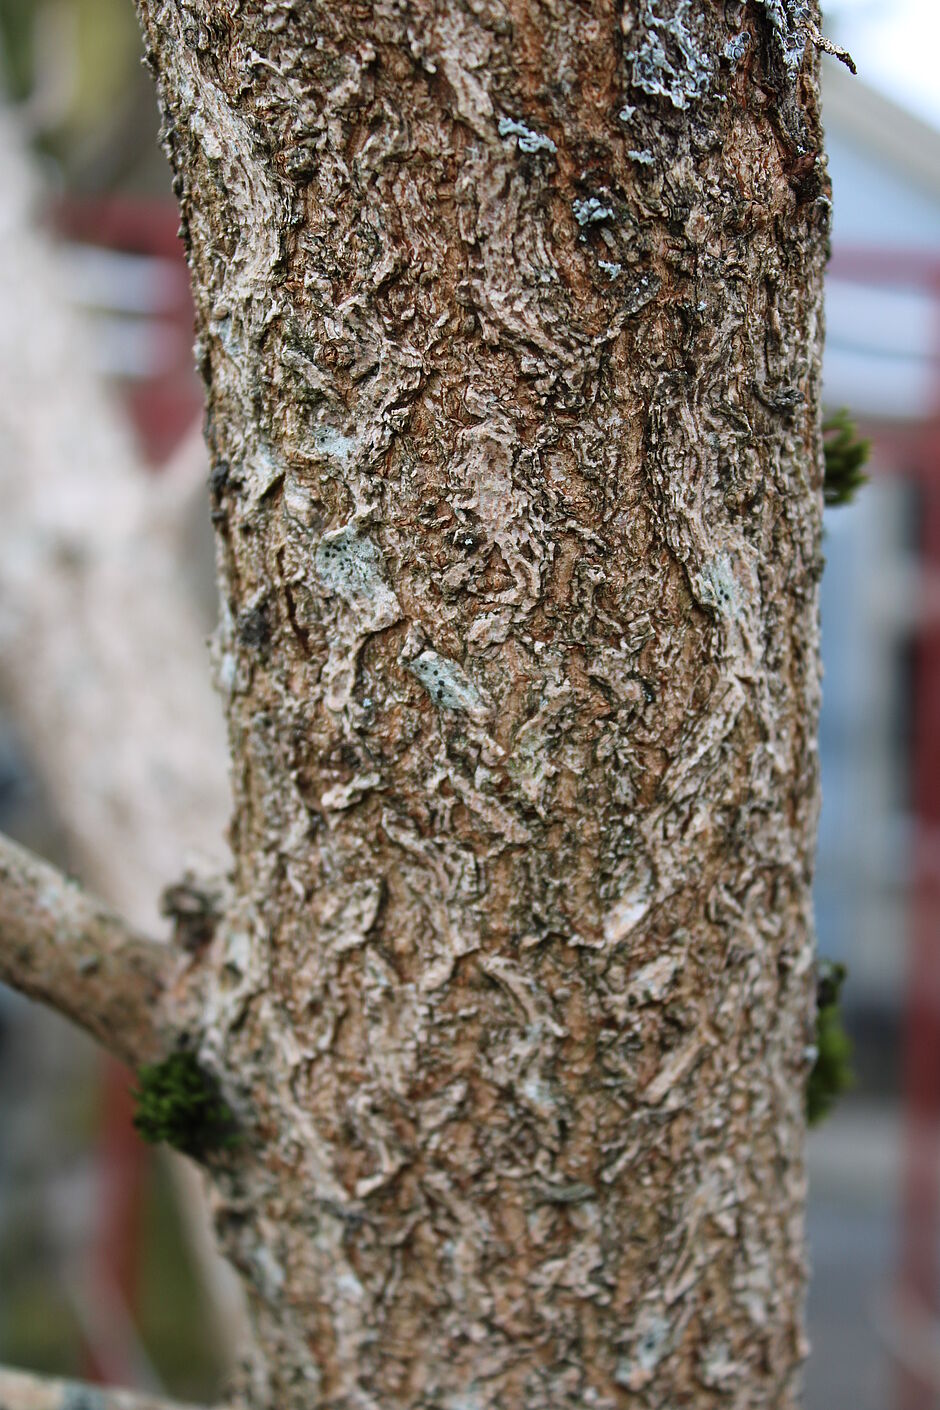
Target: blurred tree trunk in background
<point x="510" y="323"/>
<point x="103" y="671"/>
<point x="103" y="649"/>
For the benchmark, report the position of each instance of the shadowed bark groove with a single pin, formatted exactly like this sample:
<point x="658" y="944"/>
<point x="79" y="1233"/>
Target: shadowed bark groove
<point x="510" y="322"/>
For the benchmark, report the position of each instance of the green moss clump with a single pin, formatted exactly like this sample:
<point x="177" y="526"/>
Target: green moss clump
<point x="832" y="1071"/>
<point x="846" y="452"/>
<point x="180" y="1104"/>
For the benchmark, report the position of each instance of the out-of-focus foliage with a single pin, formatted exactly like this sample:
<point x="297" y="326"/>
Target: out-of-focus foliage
<point x="831" y="1074"/>
<point x="88" y="50"/>
<point x="171" y="1314"/>
<point x="846" y="452"/>
<point x="17" y="26"/>
<point x="73" y="67"/>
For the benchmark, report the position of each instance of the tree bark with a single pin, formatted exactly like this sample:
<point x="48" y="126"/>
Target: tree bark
<point x="510" y="322"/>
<point x="71" y="952"/>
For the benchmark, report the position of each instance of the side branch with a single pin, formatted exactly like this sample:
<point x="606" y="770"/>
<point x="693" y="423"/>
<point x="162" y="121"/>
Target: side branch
<point x="20" y="1391"/>
<point x="64" y="948"/>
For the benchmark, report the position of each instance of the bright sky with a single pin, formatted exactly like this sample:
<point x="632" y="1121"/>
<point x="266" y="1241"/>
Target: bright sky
<point x="895" y="44"/>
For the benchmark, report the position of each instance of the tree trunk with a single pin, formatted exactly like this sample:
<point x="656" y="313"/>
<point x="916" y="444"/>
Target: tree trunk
<point x="509" y="316"/>
<point x="102" y="651"/>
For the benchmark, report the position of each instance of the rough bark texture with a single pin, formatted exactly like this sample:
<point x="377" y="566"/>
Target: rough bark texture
<point x="509" y="315"/>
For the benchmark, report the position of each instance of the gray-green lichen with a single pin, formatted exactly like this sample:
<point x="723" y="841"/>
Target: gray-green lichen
<point x="792" y="24"/>
<point x="527" y="139"/>
<point x="669" y="61"/>
<point x="717" y="586"/>
<point x="334" y="444"/>
<point x="447" y="683"/>
<point x="350" y="565"/>
<point x="349" y="914"/>
<point x="591" y="211"/>
<point x="736" y="48"/>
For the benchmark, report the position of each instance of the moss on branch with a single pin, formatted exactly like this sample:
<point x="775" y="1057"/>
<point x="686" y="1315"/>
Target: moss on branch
<point x="832" y="1073"/>
<point x="179" y="1104"/>
<point x="845" y="452"/>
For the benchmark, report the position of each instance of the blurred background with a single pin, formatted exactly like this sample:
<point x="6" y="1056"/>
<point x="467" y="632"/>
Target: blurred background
<point x="106" y="1269"/>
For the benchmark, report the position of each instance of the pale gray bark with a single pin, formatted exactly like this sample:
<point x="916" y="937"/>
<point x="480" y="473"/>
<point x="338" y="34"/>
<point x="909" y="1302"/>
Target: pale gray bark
<point x="510" y="322"/>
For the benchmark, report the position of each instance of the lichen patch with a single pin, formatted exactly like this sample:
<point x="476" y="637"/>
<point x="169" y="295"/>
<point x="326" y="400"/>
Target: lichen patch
<point x="349" y="564"/>
<point x="447" y="683"/>
<point x="591" y="211"/>
<point x="527" y="139"/>
<point x="718" y="587"/>
<point x="669" y="61"/>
